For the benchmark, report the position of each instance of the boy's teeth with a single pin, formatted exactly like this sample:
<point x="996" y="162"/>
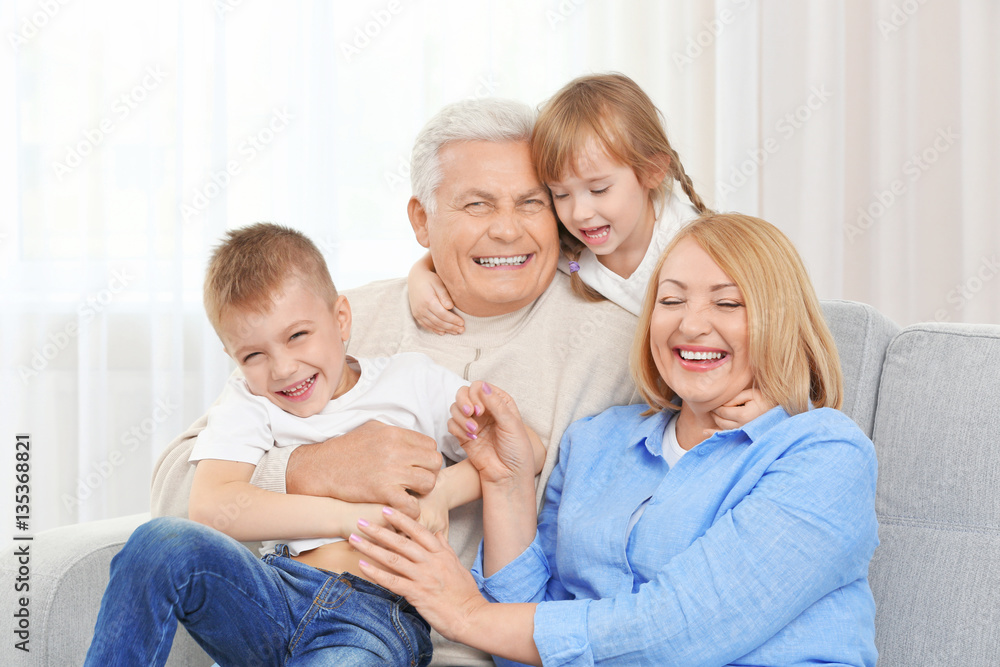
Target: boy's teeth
<point x="699" y="356"/>
<point x="300" y="388"/>
<point x="596" y="233"/>
<point x="502" y="261"/>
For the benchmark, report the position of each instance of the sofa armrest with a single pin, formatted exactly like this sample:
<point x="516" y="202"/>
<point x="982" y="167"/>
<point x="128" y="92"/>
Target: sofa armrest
<point x="67" y="574"/>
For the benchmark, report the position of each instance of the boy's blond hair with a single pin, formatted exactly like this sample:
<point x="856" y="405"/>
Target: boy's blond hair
<point x="793" y="357"/>
<point x="252" y="264"/>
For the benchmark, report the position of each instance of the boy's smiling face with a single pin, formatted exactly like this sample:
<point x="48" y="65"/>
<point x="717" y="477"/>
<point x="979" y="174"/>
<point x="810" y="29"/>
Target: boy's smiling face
<point x="294" y="354"/>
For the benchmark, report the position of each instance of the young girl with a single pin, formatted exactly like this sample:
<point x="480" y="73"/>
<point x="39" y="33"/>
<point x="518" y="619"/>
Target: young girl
<point x="600" y="147"/>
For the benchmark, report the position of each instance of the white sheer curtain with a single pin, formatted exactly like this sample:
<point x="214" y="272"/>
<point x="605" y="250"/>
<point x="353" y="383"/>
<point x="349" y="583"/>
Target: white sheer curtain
<point x="132" y="134"/>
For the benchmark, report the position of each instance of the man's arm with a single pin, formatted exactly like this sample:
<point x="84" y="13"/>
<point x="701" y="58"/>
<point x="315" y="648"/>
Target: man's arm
<point x="374" y="463"/>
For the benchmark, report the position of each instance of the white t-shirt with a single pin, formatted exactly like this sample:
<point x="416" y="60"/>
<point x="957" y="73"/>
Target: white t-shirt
<point x="407" y="390"/>
<point x="628" y="292"/>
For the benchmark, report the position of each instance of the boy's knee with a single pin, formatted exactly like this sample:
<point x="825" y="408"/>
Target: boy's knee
<point x="164" y="540"/>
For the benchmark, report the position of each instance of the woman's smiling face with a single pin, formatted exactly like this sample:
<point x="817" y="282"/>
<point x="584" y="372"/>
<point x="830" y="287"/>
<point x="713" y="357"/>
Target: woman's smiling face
<point x="698" y="330"/>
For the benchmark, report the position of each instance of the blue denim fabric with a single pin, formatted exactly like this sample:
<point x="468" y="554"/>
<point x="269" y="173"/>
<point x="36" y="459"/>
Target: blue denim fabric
<point x="245" y="611"/>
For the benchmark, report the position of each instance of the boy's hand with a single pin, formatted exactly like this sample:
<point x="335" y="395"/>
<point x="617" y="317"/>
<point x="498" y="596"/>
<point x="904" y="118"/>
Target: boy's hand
<point x="431" y="304"/>
<point x="487" y="423"/>
<point x="743" y="409"/>
<point x="434" y="511"/>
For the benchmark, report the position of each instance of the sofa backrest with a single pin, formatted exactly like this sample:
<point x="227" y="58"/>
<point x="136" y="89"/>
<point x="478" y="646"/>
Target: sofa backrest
<point x="936" y="573"/>
<point x="862" y="335"/>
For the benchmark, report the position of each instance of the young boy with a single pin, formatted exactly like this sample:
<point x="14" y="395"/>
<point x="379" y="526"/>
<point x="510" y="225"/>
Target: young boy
<point x="270" y="298"/>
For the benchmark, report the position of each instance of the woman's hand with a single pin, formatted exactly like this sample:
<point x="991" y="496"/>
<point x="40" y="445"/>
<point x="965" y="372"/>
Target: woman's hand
<point x="423" y="568"/>
<point x="430" y="302"/>
<point x="743" y="409"/>
<point x="488" y="425"/>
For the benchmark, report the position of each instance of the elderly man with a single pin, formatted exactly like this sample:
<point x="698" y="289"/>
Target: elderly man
<point x="487" y="221"/>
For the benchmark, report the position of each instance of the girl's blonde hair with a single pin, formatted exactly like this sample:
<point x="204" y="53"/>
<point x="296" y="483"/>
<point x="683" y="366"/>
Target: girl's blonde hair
<point x="613" y="111"/>
<point x="793" y="357"/>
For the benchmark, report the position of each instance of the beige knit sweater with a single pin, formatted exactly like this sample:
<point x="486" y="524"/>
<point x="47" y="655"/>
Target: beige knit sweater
<point x="561" y="358"/>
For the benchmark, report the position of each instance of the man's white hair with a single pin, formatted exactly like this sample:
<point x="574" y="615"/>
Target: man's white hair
<point x="487" y="119"/>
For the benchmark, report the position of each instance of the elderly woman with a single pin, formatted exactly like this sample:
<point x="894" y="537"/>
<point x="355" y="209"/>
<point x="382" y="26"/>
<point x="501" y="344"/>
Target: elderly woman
<point x="663" y="541"/>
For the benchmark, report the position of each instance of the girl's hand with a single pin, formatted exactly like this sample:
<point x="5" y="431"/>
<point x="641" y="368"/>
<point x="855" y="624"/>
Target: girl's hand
<point x="423" y="568"/>
<point x="431" y="304"/>
<point x="487" y="423"/>
<point x="743" y="409"/>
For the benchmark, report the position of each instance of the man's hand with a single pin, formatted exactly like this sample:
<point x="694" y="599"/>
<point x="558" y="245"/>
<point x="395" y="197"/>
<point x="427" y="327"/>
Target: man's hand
<point x="374" y="463"/>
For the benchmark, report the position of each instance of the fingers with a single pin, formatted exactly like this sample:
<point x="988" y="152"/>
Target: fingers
<point x="402" y="501"/>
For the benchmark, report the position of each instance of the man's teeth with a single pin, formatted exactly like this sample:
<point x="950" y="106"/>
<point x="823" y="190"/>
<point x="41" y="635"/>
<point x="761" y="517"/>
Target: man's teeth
<point x="700" y="356"/>
<point x="300" y="388"/>
<point x="490" y="262"/>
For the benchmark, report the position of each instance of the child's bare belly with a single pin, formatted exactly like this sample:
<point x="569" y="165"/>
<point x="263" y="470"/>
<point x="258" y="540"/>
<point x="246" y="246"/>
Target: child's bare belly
<point x="335" y="557"/>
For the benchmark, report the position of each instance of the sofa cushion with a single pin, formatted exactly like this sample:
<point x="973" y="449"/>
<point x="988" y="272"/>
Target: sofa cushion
<point x="936" y="573"/>
<point x="862" y="335"/>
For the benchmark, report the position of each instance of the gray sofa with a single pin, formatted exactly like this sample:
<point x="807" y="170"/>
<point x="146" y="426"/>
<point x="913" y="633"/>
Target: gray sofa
<point x="928" y="395"/>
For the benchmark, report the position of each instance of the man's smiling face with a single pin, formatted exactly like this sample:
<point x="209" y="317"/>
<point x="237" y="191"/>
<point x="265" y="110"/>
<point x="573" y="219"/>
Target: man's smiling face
<point x="493" y="237"/>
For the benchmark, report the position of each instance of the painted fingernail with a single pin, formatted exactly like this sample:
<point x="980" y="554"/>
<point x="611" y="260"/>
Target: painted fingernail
<point x="466" y="410"/>
<point x="472" y="436"/>
<point x="486" y="389"/>
<point x="354" y="538"/>
<point x="363" y="563"/>
<point x="479" y="410"/>
<point x="363" y="523"/>
<point x="470" y="426"/>
<point x="387" y="511"/>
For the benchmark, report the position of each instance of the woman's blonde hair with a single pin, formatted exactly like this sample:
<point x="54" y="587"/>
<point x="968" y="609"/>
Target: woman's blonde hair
<point x="793" y="357"/>
<point x="613" y="111"/>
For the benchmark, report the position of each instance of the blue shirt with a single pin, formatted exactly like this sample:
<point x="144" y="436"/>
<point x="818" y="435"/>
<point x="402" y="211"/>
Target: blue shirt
<point x="752" y="550"/>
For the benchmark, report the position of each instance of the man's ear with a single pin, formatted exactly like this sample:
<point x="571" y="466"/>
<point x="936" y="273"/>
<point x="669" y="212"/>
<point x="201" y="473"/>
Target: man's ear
<point x="418" y="220"/>
<point x="342" y="311"/>
<point x="657" y="172"/>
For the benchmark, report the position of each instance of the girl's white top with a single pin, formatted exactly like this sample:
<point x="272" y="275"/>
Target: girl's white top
<point x="628" y="292"/>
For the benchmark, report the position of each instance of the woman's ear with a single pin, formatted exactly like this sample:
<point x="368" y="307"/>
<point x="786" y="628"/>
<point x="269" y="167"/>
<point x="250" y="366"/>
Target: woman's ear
<point x="418" y="220"/>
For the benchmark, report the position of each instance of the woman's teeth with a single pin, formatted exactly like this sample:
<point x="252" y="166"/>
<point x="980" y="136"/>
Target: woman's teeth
<point x="490" y="262"/>
<point x="300" y="388"/>
<point x="690" y="355"/>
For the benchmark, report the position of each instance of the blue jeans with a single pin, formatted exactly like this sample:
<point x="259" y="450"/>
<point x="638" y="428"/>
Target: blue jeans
<point x="243" y="610"/>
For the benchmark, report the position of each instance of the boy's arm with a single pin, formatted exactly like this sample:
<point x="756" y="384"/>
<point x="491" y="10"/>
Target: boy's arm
<point x="430" y="303"/>
<point x="460" y="484"/>
<point x="223" y="498"/>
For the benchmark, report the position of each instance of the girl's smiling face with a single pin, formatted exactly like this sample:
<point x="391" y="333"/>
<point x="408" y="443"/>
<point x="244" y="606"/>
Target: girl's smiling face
<point x="602" y="203"/>
<point x="698" y="330"/>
